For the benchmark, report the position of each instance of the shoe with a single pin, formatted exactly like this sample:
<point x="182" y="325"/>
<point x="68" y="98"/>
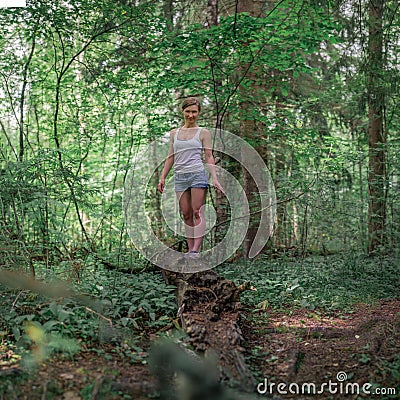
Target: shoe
<point x="193" y="254"/>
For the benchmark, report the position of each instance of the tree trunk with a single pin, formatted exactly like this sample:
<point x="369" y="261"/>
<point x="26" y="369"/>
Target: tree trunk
<point x="23" y="94"/>
<point x="219" y="201"/>
<point x="249" y="128"/>
<point x="377" y="140"/>
<point x="212" y="13"/>
<point x="209" y="309"/>
<point x="168" y="9"/>
<point x="280" y="234"/>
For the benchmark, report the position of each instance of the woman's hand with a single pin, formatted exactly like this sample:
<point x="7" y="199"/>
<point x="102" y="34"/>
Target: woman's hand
<point x="161" y="185"/>
<point x="218" y="186"/>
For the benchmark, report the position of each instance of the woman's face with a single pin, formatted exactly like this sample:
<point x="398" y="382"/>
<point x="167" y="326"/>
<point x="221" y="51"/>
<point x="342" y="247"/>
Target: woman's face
<point x="191" y="113"/>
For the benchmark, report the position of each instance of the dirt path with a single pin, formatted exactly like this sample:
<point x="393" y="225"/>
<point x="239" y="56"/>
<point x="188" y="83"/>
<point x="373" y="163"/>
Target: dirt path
<point x="303" y="347"/>
<point x="295" y="346"/>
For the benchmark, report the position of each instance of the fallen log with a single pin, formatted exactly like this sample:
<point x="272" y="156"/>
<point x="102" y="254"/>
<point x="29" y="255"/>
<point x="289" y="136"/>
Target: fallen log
<point x="209" y="311"/>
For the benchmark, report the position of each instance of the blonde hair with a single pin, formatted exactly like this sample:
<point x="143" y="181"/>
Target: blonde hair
<point x="190" y="101"/>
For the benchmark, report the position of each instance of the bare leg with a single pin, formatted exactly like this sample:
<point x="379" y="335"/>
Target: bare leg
<point x="198" y="198"/>
<point x="185" y="204"/>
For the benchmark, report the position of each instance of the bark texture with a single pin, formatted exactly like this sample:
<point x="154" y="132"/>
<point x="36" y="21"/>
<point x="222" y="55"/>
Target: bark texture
<point x="209" y="310"/>
<point x="376" y="135"/>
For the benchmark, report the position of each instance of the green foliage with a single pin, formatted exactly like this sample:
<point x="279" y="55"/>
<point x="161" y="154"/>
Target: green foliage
<point x="391" y="371"/>
<point x="138" y="301"/>
<point x="240" y="45"/>
<point x="84" y="83"/>
<point x="333" y="282"/>
<point x="103" y="77"/>
<point x="120" y="308"/>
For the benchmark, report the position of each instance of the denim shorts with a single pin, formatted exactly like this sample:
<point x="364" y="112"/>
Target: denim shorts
<point x="185" y="181"/>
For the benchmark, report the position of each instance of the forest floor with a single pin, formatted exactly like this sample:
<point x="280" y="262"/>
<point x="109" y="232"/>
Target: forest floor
<point x="294" y="346"/>
<point x="297" y="346"/>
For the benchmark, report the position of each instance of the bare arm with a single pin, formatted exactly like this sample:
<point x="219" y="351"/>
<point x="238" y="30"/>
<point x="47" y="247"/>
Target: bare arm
<point x="209" y="158"/>
<point x="169" y="162"/>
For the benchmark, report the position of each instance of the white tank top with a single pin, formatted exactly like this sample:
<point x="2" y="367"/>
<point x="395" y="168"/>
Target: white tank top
<point x="187" y="153"/>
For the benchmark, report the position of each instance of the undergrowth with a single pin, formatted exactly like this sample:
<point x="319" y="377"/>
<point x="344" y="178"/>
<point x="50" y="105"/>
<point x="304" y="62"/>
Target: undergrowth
<point x="107" y="306"/>
<point x="334" y="282"/>
<point x="123" y="308"/>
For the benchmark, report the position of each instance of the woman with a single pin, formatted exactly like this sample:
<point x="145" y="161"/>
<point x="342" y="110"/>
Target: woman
<point x="190" y="178"/>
